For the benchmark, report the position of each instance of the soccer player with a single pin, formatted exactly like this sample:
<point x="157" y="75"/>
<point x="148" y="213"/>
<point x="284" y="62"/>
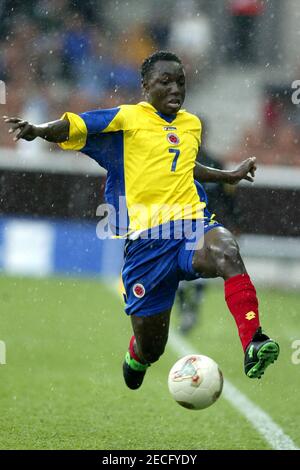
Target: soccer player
<point x="149" y="150"/>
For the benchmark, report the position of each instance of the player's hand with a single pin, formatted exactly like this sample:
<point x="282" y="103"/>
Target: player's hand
<point x="21" y="129"/>
<point x="245" y="171"/>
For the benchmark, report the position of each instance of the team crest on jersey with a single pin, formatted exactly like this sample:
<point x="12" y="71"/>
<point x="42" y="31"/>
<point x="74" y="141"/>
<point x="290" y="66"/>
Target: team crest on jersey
<point x="139" y="290"/>
<point x="173" y="138"/>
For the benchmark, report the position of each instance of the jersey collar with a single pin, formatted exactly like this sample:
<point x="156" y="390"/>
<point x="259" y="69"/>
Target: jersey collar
<point x="168" y="118"/>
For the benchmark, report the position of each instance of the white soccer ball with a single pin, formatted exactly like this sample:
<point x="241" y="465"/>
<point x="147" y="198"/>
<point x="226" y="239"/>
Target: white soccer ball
<point x="195" y="381"/>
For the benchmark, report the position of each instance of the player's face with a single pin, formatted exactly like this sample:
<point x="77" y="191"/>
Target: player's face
<point x="165" y="87"/>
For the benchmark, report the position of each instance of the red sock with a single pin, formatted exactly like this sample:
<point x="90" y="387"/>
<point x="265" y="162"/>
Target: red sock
<point x="132" y="351"/>
<point x="240" y="295"/>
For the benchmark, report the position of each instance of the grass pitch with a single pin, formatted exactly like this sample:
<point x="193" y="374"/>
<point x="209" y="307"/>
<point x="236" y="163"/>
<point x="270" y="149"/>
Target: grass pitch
<point x="62" y="386"/>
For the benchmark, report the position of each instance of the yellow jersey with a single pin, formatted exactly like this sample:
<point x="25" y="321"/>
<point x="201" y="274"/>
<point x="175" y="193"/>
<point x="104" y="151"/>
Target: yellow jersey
<point x="149" y="158"/>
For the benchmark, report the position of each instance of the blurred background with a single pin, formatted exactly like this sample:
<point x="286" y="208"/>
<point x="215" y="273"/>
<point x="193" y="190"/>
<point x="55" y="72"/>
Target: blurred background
<point x="62" y="328"/>
<point x="241" y="58"/>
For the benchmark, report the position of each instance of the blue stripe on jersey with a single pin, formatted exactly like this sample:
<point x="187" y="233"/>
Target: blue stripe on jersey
<point x="201" y="192"/>
<point x="98" y="120"/>
<point x="108" y="151"/>
<point x="203" y="198"/>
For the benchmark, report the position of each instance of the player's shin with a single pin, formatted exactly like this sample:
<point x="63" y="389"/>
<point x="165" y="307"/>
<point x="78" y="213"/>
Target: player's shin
<point x="240" y="295"/>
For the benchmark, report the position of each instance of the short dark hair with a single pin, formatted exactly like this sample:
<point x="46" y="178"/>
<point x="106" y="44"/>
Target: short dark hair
<point x="149" y="62"/>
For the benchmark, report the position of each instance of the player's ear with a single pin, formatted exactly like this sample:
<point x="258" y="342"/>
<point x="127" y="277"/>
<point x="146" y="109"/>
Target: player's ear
<point x="145" y="86"/>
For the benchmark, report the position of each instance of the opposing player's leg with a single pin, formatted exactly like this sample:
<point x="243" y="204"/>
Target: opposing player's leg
<point x="146" y="346"/>
<point x="189" y="296"/>
<point x="220" y="257"/>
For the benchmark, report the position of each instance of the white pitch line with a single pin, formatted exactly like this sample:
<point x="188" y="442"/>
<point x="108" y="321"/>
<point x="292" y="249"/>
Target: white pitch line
<point x="260" y="420"/>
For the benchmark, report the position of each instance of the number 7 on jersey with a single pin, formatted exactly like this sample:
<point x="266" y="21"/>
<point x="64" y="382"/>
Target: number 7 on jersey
<point x="174" y="163"/>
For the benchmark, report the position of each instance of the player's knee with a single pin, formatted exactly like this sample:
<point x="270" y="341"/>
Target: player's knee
<point x="231" y="251"/>
<point x="226" y="253"/>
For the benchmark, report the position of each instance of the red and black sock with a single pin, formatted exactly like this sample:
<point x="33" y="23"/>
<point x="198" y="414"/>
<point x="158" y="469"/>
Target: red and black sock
<point x="240" y="295"/>
<point x="133" y="360"/>
<point x="132" y="351"/>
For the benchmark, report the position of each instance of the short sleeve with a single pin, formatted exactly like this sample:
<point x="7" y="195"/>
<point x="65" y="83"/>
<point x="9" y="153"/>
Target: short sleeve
<point x="91" y="123"/>
<point x="77" y="133"/>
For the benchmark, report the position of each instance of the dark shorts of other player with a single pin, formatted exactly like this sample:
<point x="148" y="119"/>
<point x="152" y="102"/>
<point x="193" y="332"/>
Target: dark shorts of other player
<point x="153" y="267"/>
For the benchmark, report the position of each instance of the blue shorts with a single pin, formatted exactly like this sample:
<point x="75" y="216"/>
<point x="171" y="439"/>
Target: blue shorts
<point x="153" y="268"/>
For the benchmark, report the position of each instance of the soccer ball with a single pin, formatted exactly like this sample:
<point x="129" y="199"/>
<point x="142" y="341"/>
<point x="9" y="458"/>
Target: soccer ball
<point x="195" y="381"/>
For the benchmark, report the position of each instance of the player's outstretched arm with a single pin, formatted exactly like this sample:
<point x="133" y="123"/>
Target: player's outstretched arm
<point x="55" y="131"/>
<point x="245" y="171"/>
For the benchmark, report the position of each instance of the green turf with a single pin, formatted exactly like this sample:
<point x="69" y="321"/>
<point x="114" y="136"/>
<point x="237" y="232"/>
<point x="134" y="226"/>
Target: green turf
<point x="62" y="386"/>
